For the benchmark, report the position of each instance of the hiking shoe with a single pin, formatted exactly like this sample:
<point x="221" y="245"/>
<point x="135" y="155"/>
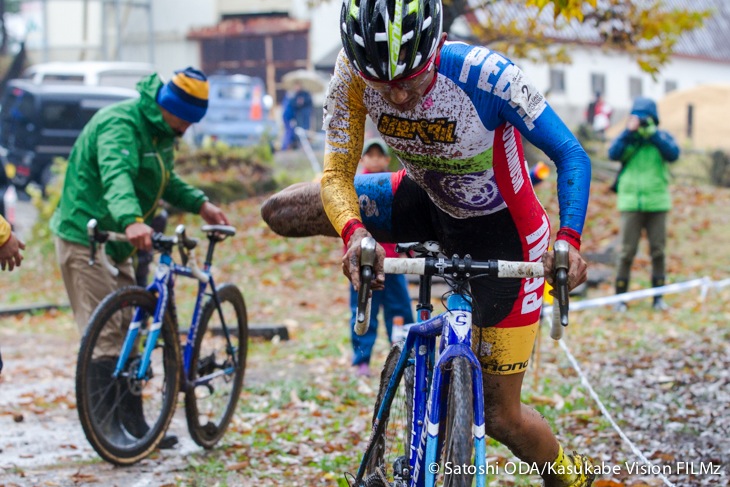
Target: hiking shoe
<point x="660" y="304"/>
<point x="167" y="442"/>
<point x="363" y="370"/>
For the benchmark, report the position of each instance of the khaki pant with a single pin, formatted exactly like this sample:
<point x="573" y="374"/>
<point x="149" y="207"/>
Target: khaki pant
<point x="632" y="223"/>
<point x="87" y="285"/>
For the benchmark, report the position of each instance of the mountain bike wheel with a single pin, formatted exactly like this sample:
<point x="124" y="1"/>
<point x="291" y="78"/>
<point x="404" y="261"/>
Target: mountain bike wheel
<point x="392" y="438"/>
<point x="458" y="438"/>
<point x="217" y="367"/>
<point x="124" y="418"/>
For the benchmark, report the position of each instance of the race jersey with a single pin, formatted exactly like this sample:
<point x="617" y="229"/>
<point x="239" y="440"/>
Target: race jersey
<point x="451" y="143"/>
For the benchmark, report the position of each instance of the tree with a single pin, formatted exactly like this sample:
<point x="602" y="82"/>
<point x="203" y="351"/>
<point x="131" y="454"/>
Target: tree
<point x="645" y="29"/>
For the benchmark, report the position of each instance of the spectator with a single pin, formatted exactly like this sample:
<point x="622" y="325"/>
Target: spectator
<point x="10" y="257"/>
<point x="302" y="107"/>
<point x="394" y="298"/>
<point x="119" y="168"/>
<point x="643" y="193"/>
<point x="599" y="116"/>
<point x="10" y="247"/>
<point x="289" y="118"/>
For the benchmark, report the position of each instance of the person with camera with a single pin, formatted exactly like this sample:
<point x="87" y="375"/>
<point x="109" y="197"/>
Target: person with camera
<point x="642" y="186"/>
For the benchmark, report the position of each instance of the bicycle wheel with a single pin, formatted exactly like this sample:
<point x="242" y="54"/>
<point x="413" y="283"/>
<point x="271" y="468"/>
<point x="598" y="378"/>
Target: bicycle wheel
<point x="124" y="418"/>
<point x="458" y="439"/>
<point x="217" y="368"/>
<point x="392" y="439"/>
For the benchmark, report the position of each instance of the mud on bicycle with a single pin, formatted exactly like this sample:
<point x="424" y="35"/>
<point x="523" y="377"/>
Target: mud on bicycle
<point x="130" y="366"/>
<point x="430" y="406"/>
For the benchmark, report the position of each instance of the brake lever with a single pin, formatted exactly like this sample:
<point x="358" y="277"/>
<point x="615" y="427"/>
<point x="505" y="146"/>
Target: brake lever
<point x="561" y="304"/>
<point x="364" y="298"/>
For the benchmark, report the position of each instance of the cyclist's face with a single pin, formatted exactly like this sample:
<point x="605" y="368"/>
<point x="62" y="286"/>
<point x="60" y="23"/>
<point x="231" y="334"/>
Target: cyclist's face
<point x="177" y="124"/>
<point x="405" y="94"/>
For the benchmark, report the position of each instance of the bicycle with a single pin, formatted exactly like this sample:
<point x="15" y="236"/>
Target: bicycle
<point x="431" y="407"/>
<point x="130" y="367"/>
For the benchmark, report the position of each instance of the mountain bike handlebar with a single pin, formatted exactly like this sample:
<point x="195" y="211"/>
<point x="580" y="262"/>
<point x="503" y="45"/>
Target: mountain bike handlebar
<point x="459" y="267"/>
<point x="160" y="242"/>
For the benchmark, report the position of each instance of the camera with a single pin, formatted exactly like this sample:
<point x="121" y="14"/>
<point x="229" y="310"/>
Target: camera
<point x="644" y="122"/>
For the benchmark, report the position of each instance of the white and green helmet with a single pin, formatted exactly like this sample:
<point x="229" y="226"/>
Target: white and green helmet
<point x="390" y="39"/>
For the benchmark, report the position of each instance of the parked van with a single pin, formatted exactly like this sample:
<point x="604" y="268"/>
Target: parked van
<point x="90" y="73"/>
<point x="41" y="122"/>
<point x="238" y="112"/>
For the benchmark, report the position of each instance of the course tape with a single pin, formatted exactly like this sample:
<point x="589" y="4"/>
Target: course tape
<point x="607" y="414"/>
<point x="705" y="283"/>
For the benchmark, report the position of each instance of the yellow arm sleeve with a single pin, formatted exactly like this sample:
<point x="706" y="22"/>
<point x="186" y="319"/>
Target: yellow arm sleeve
<point x="4" y="231"/>
<point x="344" y="122"/>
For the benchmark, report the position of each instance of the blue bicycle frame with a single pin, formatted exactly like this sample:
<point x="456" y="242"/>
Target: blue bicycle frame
<point x="163" y="285"/>
<point x="455" y="326"/>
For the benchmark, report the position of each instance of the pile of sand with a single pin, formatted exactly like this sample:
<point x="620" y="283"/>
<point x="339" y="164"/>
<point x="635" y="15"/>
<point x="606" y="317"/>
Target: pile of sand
<point x="710" y="115"/>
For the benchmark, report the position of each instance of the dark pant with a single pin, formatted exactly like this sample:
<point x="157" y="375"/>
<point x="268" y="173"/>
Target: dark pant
<point x="632" y="223"/>
<point x="394" y="300"/>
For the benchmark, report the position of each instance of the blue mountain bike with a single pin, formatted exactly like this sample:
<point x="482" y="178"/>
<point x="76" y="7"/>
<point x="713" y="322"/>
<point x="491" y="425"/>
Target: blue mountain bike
<point x="428" y="421"/>
<point x="130" y="368"/>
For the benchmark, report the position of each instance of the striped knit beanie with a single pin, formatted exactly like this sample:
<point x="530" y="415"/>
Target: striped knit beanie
<point x="185" y="95"/>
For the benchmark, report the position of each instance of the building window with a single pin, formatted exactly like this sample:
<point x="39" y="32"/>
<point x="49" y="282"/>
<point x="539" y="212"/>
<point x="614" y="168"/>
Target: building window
<point x="598" y="83"/>
<point x="670" y="86"/>
<point x="635" y="87"/>
<point x="557" y="81"/>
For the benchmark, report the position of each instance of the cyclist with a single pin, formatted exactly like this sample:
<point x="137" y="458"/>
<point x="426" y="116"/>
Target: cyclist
<point x="119" y="168"/>
<point x="454" y="115"/>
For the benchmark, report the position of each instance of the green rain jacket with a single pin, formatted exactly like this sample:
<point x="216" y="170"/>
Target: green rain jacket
<point x="643" y="183"/>
<point x="118" y="170"/>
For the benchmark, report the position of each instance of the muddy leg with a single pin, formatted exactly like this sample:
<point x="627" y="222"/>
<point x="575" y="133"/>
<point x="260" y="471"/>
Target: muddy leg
<point x="297" y="211"/>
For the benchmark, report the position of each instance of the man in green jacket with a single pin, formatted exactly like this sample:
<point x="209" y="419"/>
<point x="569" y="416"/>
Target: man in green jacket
<point x="118" y="170"/>
<point x="643" y="192"/>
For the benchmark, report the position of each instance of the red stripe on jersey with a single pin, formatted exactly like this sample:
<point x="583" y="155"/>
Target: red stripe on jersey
<point x="533" y="225"/>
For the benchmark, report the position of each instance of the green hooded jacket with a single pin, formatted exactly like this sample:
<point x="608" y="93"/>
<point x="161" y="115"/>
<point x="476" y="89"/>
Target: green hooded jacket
<point x="118" y="170"/>
<point x="643" y="183"/>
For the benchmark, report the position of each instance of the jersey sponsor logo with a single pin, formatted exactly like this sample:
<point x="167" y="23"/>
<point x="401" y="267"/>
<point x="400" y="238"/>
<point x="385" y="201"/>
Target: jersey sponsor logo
<point x="513" y="158"/>
<point x="498" y="76"/>
<point x="538" y="243"/>
<point x="429" y="131"/>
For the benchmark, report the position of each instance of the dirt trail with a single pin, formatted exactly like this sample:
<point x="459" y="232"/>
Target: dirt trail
<point x="41" y="440"/>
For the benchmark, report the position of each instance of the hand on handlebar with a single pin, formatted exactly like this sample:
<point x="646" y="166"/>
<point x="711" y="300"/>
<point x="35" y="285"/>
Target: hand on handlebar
<point x="351" y="261"/>
<point x="577" y="270"/>
<point x="213" y="215"/>
<point x="139" y="235"/>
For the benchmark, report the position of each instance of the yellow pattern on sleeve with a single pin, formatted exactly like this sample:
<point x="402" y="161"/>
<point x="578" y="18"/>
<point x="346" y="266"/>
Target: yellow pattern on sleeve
<point x="344" y="122"/>
<point x="4" y="230"/>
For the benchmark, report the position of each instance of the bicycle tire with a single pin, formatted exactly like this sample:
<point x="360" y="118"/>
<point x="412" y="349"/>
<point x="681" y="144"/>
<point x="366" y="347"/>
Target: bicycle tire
<point x="392" y="440"/>
<point x="458" y="438"/>
<point x="124" y="418"/>
<point x="209" y="406"/>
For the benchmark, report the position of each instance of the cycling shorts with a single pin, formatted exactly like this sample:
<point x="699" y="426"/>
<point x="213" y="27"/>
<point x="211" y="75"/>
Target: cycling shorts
<point x="506" y="311"/>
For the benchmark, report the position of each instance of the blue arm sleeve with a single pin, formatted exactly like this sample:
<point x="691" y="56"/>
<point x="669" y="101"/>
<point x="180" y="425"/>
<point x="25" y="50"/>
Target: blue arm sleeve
<point x="550" y="135"/>
<point x="667" y="146"/>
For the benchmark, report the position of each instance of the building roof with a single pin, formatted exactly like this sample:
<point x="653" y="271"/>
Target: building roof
<point x="710" y="42"/>
<point x="249" y="27"/>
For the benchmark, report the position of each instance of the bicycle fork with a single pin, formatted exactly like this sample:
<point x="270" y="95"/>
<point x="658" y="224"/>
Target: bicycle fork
<point x="457" y="336"/>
